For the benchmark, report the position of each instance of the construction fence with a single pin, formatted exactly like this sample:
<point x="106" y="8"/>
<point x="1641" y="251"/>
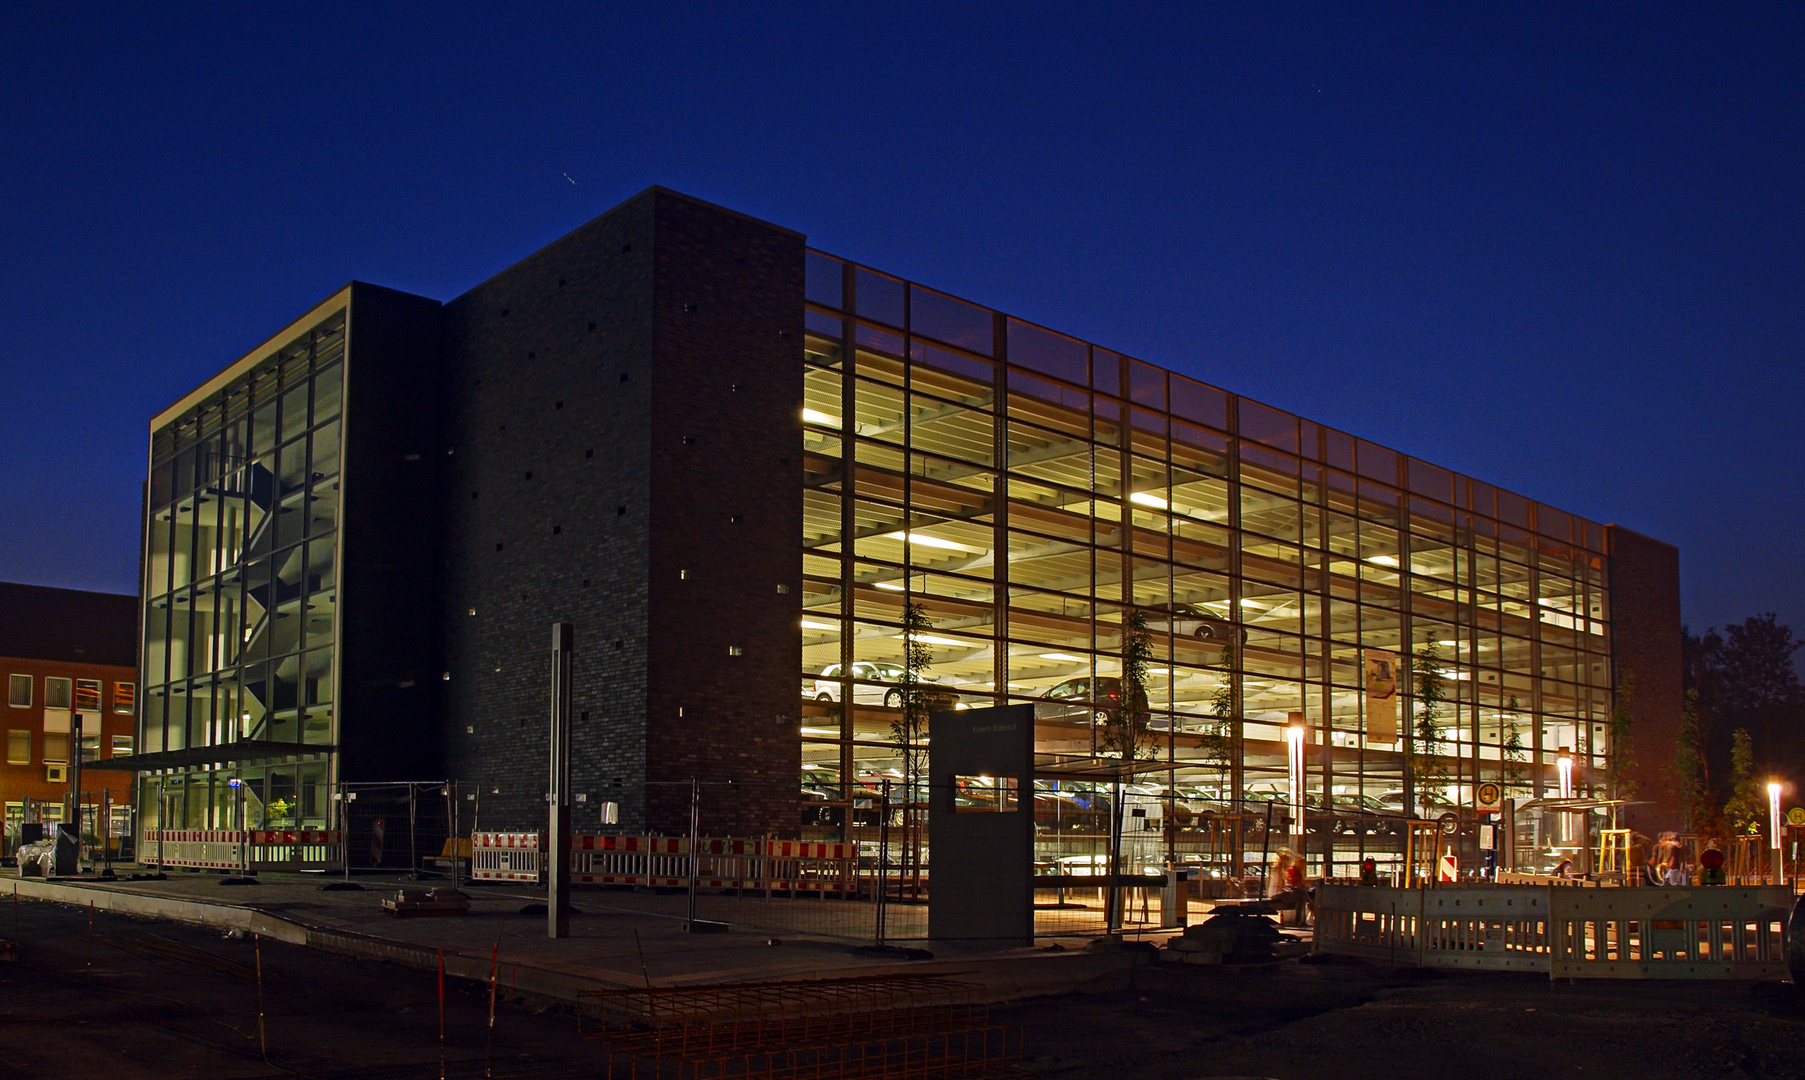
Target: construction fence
<point x="1710" y="932"/>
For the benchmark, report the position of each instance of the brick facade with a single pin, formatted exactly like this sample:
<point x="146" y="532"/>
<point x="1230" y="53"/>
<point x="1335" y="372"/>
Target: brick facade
<point x="572" y="381"/>
<point x="69" y="634"/>
<point x="1645" y="642"/>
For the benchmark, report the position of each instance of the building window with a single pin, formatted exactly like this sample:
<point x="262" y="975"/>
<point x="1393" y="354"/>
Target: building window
<point x="90" y="748"/>
<point x="18" y="691"/>
<point x="18" y="747"/>
<point x="122" y="746"/>
<point x="87" y="695"/>
<point x="56" y="748"/>
<point x="125" y="696"/>
<point x="57" y="693"/>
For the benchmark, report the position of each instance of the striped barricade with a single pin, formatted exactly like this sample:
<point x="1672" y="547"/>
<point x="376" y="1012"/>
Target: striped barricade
<point x="506" y="857"/>
<point x="660" y="861"/>
<point x="297" y="849"/>
<point x="810" y="866"/>
<point x="664" y="862"/>
<point x="195" y="849"/>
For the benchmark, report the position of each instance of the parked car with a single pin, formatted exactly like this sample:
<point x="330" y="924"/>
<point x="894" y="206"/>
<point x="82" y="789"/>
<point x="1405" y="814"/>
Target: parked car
<point x="1183" y="620"/>
<point x="1084" y="698"/>
<point x="826" y="686"/>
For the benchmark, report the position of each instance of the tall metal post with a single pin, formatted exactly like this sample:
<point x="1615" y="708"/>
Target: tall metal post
<point x="75" y="780"/>
<point x="883" y="859"/>
<point x="557" y="839"/>
<point x="695" y="842"/>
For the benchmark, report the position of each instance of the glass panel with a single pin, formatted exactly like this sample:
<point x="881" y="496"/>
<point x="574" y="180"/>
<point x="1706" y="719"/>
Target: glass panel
<point x="1048" y="353"/>
<point x="879" y="297"/>
<point x="823" y="279"/>
<point x="953" y="321"/>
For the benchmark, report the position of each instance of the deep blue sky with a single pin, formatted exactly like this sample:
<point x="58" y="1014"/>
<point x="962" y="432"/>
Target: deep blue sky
<point x="1563" y="251"/>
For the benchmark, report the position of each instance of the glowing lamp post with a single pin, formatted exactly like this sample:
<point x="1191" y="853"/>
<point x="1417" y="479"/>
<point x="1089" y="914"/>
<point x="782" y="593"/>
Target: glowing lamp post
<point x="1295" y="733"/>
<point x="1773" y="829"/>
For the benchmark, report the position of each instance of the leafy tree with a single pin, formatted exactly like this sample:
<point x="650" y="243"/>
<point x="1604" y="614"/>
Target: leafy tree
<point x="910" y="722"/>
<point x="1688" y="769"/>
<point x="1425" y="754"/>
<point x="1125" y="732"/>
<point x="1622" y="730"/>
<point x="1513" y="750"/>
<point x="1760" y="693"/>
<point x="908" y="728"/>
<point x="1217" y="744"/>
<point x="1745" y="810"/>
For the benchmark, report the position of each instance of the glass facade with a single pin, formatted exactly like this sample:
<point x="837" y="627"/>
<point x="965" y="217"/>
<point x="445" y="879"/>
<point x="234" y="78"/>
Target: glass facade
<point x="1029" y="490"/>
<point x="240" y="579"/>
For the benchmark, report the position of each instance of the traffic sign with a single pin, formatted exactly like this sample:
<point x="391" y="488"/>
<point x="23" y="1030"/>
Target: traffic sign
<point x="1491" y="797"/>
<point x="1796" y="817"/>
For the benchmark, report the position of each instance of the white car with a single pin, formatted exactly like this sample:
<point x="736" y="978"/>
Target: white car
<point x="826" y="686"/>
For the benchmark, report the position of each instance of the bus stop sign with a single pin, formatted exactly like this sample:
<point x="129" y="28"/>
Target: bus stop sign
<point x="1490" y="797"/>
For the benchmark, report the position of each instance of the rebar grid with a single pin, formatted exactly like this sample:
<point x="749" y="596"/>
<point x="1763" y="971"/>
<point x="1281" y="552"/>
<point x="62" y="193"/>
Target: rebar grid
<point x="891" y="1026"/>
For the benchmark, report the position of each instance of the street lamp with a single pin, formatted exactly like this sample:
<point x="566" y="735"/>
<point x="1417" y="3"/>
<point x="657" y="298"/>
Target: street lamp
<point x="1773" y="829"/>
<point x="1296" y="731"/>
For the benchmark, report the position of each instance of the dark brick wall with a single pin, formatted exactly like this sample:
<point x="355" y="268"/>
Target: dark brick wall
<point x="1645" y="642"/>
<point x="572" y="380"/>
<point x="389" y="476"/>
<point x="548" y="423"/>
<point x="726" y="511"/>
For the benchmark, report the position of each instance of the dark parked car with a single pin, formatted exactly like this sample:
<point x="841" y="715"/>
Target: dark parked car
<point x="1098" y="700"/>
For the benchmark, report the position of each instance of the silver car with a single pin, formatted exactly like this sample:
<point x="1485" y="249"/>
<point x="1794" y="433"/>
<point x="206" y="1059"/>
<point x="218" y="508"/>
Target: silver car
<point x="1183" y="620"/>
<point x="826" y="686"/>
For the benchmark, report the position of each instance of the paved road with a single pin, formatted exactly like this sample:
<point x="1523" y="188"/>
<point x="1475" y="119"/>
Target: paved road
<point x="1345" y="1022"/>
<point x="138" y="998"/>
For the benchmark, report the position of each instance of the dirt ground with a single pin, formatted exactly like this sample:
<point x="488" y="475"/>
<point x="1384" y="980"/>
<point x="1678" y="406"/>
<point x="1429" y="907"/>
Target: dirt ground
<point x="1351" y="1022"/>
<point x="139" y="999"/>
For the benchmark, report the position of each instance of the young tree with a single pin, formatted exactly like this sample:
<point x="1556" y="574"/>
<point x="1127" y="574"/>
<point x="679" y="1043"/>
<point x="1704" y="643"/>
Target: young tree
<point x="1513" y="751"/>
<point x="1217" y="744"/>
<point x="1426" y="762"/>
<point x="909" y="726"/>
<point x="1125" y="732"/>
<point x="1622" y="728"/>
<point x="1745" y="811"/>
<point x="1688" y="769"/>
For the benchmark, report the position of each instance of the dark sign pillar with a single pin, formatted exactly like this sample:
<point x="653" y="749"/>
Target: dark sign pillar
<point x="557" y="836"/>
<point x="981" y="824"/>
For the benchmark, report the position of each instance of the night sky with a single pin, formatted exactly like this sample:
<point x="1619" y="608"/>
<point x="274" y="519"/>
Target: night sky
<point x="1562" y="251"/>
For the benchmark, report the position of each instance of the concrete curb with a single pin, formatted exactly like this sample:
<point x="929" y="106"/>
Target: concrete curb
<point x="1006" y="978"/>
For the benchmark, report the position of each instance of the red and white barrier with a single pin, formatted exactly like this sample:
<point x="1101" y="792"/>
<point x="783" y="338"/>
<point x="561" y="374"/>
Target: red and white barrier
<point x="664" y="862"/>
<point x="506" y="857"/>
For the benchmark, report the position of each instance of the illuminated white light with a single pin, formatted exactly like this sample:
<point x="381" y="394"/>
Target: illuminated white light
<point x="1248" y="602"/>
<point x="820" y="731"/>
<point x="1773" y="816"/>
<point x="930" y="639"/>
<point x="1449" y="643"/>
<point x="925" y="540"/>
<point x="1565" y="764"/>
<point x="1146" y="499"/>
<point x="1062" y="656"/>
<point x="1295" y="732"/>
<point x="890" y="585"/>
<point x="810" y="416"/>
<point x="811" y="624"/>
<point x="1383" y="560"/>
